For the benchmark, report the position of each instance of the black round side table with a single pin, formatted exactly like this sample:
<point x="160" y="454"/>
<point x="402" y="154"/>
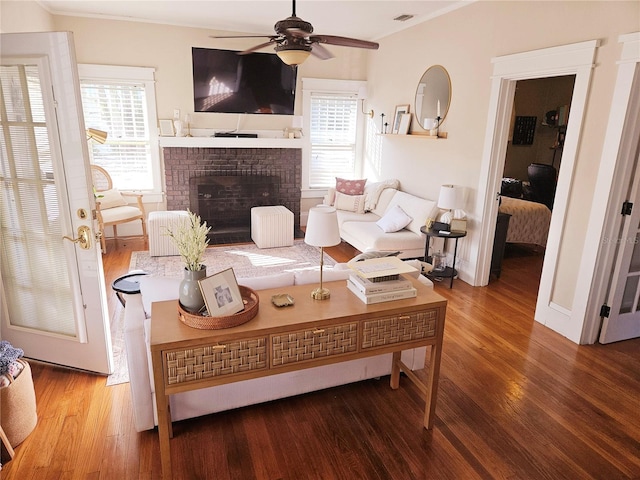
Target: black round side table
<point x="129" y="284"/>
<point x="448" y="272"/>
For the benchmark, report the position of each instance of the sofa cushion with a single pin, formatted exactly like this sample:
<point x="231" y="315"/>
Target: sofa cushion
<point x="111" y="198"/>
<point x="395" y="219"/>
<point x="157" y="289"/>
<point x="351" y="203"/>
<point x="350" y="187"/>
<point x="373" y="191"/>
<point x="284" y="279"/>
<point x="345" y="216"/>
<point x="384" y="201"/>
<point x="330" y="197"/>
<point x="419" y="209"/>
<point x="370" y="234"/>
<point x="305" y="277"/>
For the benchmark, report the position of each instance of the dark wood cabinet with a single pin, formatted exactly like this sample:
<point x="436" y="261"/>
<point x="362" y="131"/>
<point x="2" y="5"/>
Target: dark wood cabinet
<point x="499" y="242"/>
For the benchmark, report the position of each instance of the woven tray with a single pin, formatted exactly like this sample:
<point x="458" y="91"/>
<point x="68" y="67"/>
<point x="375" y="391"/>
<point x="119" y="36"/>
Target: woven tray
<point x="251" y="302"/>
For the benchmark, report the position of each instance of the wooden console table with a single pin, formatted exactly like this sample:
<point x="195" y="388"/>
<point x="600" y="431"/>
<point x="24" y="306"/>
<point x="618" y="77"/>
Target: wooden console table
<point x="309" y="334"/>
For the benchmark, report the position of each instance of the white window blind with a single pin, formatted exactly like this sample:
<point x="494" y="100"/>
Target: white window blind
<point x="120" y="109"/>
<point x="333" y="135"/>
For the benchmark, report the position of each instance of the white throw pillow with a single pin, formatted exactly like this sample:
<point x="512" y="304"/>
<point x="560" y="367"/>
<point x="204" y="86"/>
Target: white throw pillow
<point x="111" y="198"/>
<point x="394" y="220"/>
<point x="350" y="203"/>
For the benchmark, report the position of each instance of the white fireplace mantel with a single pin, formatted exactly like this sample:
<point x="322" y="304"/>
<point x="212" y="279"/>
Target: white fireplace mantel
<point x="223" y="142"/>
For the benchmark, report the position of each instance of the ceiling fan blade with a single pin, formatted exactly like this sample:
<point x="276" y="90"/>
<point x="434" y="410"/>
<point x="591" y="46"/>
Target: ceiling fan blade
<point x="241" y="36"/>
<point x="258" y="47"/>
<point x="321" y="52"/>
<point x="344" y="41"/>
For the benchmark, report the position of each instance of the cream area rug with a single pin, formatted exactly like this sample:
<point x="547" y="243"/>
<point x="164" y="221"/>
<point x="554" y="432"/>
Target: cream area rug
<point x="246" y="261"/>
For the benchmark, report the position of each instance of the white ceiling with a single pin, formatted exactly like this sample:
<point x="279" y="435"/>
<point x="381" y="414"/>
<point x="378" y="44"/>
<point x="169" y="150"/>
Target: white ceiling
<point x="363" y="19"/>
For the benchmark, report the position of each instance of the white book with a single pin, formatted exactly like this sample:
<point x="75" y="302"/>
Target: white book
<point x="381" y="297"/>
<point x="368" y="287"/>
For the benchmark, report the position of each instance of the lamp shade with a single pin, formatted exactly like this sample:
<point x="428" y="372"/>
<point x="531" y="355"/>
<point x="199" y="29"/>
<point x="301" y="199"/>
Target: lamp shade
<point x="293" y="56"/>
<point x="322" y="227"/>
<point x="451" y="197"/>
<point x="97" y="135"/>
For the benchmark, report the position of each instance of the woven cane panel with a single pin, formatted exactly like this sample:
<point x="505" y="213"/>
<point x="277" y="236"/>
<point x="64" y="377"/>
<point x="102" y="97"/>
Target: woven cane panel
<point x="312" y="344"/>
<point x="403" y="328"/>
<point x="215" y="360"/>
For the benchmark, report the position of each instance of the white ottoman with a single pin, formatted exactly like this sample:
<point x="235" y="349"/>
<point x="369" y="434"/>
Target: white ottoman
<point x="272" y="226"/>
<point x="161" y="244"/>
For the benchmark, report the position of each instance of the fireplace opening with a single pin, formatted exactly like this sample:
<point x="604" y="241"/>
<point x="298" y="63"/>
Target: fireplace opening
<point x="225" y="203"/>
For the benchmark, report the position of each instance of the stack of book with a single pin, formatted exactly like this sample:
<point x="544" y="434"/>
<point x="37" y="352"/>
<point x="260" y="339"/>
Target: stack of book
<point x="381" y="280"/>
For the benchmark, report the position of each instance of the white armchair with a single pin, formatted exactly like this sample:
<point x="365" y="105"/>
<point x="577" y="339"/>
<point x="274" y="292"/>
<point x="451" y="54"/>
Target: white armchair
<point x="112" y="207"/>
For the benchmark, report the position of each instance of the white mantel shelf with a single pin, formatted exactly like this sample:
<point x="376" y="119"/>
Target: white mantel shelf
<point x="221" y="142"/>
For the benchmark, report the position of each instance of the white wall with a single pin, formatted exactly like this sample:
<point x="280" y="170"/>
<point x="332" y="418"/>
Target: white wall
<point x="464" y="42"/>
<point x="168" y="49"/>
<point x="24" y="16"/>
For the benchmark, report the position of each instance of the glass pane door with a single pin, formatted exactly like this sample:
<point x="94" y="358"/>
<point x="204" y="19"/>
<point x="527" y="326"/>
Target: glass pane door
<point x="34" y="273"/>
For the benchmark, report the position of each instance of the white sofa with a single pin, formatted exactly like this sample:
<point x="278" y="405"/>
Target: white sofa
<point x="360" y="227"/>
<point x="201" y="402"/>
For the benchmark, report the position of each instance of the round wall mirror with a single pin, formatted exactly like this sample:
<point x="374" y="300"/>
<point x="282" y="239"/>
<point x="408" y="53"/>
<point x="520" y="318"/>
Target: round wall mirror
<point x="433" y="96"/>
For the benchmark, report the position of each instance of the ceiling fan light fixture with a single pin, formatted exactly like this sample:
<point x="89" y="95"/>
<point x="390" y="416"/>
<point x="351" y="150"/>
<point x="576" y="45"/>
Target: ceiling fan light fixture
<point x="293" y="56"/>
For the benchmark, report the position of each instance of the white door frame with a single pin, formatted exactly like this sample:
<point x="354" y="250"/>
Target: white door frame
<point x="620" y="140"/>
<point x="574" y="59"/>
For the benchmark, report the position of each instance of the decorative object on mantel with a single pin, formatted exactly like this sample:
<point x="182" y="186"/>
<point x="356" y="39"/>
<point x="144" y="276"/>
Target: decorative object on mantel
<point x="322" y="231"/>
<point x="191" y="240"/>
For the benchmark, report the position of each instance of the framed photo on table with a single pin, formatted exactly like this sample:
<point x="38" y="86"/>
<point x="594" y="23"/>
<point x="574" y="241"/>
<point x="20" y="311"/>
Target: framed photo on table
<point x="397" y="117"/>
<point x="221" y="293"/>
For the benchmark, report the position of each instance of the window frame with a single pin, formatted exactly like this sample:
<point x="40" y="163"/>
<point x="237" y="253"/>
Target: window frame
<point x="135" y="75"/>
<point x="312" y="86"/>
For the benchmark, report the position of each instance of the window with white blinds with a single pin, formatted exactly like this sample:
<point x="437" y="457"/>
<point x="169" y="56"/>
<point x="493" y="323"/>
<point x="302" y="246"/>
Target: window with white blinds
<point x="124" y="107"/>
<point x="333" y="135"/>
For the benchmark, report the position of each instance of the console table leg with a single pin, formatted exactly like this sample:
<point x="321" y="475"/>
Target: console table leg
<point x="395" y="370"/>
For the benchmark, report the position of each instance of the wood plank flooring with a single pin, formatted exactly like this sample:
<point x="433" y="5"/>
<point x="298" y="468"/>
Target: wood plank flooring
<point x="516" y="401"/>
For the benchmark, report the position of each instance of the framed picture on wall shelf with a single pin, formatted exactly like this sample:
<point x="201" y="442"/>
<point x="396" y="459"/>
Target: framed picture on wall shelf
<point x="405" y="122"/>
<point x="397" y="117"/>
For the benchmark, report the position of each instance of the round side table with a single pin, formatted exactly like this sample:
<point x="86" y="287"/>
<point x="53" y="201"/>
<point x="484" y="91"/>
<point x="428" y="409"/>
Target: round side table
<point x="448" y="272"/>
<point x="129" y="284"/>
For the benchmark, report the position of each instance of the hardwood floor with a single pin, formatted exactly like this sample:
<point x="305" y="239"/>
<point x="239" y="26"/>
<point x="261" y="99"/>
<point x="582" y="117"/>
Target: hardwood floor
<point x="516" y="401"/>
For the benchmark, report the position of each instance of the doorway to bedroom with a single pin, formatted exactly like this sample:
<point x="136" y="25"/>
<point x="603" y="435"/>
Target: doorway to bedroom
<point x="533" y="157"/>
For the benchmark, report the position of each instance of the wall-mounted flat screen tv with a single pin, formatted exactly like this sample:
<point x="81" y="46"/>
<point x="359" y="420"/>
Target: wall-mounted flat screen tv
<point x="225" y="82"/>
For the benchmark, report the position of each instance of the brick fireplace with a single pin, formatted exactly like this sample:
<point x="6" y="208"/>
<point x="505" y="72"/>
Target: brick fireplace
<point x="191" y="183"/>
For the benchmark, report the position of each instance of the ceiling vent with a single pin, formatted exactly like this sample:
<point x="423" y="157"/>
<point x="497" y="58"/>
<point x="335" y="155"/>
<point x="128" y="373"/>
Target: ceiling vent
<point x="404" y="17"/>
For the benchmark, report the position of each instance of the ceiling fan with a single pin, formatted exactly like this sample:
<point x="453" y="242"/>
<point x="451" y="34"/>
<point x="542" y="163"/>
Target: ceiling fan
<point x="294" y="41"/>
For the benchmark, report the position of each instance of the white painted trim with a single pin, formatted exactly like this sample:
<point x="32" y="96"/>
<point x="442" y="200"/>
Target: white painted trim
<point x="574" y="59"/>
<point x="615" y="168"/>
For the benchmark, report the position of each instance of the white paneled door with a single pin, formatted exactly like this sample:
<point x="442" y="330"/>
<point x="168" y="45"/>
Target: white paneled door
<point x="52" y="292"/>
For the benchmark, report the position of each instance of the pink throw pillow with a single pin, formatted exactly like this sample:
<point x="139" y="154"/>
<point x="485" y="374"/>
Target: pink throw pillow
<point x="350" y="187"/>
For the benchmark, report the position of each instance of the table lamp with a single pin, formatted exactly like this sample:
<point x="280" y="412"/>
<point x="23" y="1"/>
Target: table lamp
<point x="451" y="198"/>
<point x="322" y="231"/>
